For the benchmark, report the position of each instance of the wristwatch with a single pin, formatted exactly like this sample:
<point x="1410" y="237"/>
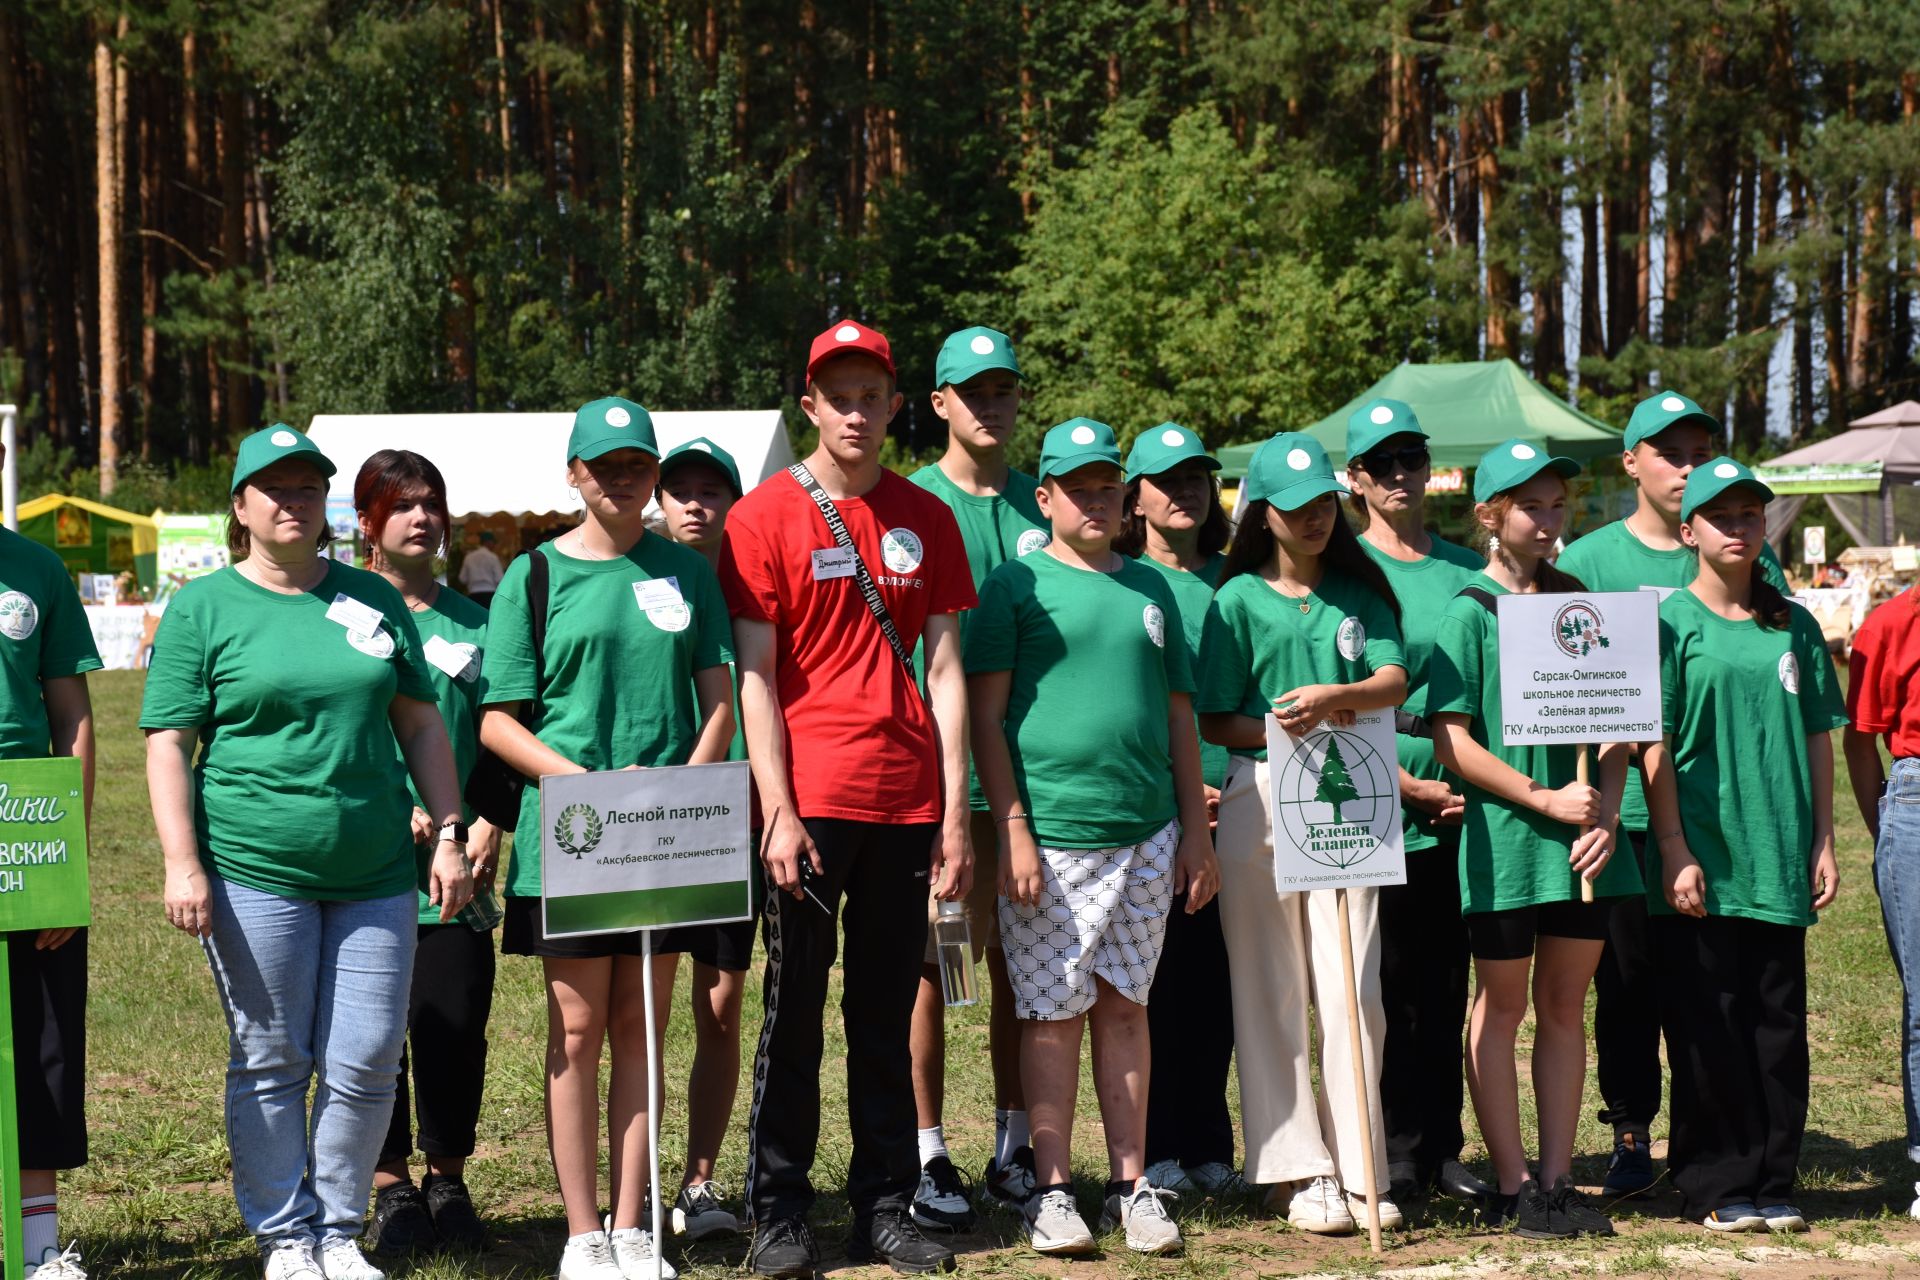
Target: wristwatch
<point x="454" y="831"/>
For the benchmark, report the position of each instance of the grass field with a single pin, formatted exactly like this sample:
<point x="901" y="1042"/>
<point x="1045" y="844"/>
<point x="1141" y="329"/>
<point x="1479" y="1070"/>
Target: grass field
<point x="155" y="1201"/>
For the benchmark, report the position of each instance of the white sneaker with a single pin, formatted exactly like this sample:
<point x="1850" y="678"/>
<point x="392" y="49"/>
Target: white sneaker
<point x="1318" y="1206"/>
<point x="341" y="1259"/>
<point x="1391" y="1219"/>
<point x="1169" y="1176"/>
<point x="589" y="1257"/>
<point x="1054" y="1224"/>
<point x="1218" y="1179"/>
<point x="292" y="1258"/>
<point x="633" y="1254"/>
<point x="61" y="1266"/>
<point x="1143" y="1212"/>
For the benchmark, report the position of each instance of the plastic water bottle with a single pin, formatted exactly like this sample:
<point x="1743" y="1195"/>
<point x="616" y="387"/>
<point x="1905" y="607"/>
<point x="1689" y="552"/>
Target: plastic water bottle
<point x="953" y="944"/>
<point x="483" y="912"/>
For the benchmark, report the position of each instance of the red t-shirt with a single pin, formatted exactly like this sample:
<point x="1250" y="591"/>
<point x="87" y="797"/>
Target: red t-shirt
<point x="1883" y="685"/>
<point x="860" y="740"/>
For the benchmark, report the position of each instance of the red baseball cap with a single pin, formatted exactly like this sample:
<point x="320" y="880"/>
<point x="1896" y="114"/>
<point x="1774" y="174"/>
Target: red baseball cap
<point x="849" y="336"/>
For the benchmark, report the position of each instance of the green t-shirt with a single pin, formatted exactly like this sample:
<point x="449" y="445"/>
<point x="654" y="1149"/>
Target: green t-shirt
<point x="43" y="636"/>
<point x="1509" y="856"/>
<point x="994" y="530"/>
<point x="1740" y="700"/>
<point x="1257" y="645"/>
<point x="1611" y="558"/>
<point x="1193" y="592"/>
<point x="617" y="688"/>
<point x="299" y="790"/>
<point x="453" y="634"/>
<point x="1094" y="658"/>
<point x="1425" y="587"/>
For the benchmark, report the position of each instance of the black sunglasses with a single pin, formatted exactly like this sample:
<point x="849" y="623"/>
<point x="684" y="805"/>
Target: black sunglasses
<point x="1380" y="462"/>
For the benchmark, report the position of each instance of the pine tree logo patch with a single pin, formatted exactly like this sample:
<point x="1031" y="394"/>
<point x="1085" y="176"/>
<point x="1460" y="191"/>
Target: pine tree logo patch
<point x="577" y="830"/>
<point x="1351" y="639"/>
<point x="1336" y="798"/>
<point x="1577" y="629"/>
<point x="1790" y="672"/>
<point x="900" y="550"/>
<point x="19" y="615"/>
<point x="1031" y="541"/>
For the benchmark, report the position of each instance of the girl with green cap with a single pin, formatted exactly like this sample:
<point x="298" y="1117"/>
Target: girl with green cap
<point x="301" y="683"/>
<point x="630" y="673"/>
<point x="1305" y="628"/>
<point x="1530" y="832"/>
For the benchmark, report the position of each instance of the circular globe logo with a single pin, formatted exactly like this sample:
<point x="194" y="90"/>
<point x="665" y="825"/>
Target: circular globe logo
<point x="1789" y="672"/>
<point x="377" y="645"/>
<point x="1030" y="541"/>
<point x="1335" y="798"/>
<point x="577" y="830"/>
<point x="900" y="550"/>
<point x="1156" y="625"/>
<point x="19" y="615"/>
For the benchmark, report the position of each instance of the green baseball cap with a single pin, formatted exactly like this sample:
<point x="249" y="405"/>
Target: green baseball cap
<point x="1163" y="448"/>
<point x="1665" y="409"/>
<point x="969" y="353"/>
<point x="701" y="449"/>
<point x="1709" y="481"/>
<point x="609" y="423"/>
<point x="1075" y="443"/>
<point x="1379" y="419"/>
<point x="274" y="444"/>
<point x="1289" y="471"/>
<point x="1514" y="463"/>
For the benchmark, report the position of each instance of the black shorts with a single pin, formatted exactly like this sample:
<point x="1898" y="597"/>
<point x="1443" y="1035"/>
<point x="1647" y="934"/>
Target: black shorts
<point x="49" y="991"/>
<point x="718" y="946"/>
<point x="1509" y="935"/>
<point x="723" y="946"/>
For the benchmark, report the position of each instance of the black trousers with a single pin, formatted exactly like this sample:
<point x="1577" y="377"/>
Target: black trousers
<point x="49" y="994"/>
<point x="1626" y="1009"/>
<point x="446" y="1043"/>
<point x="881" y="871"/>
<point x="1423" y="984"/>
<point x="1734" y="1001"/>
<point x="1190" y="1031"/>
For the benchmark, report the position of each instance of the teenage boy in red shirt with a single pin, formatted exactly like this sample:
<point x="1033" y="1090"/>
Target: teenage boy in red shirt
<point x="864" y="786"/>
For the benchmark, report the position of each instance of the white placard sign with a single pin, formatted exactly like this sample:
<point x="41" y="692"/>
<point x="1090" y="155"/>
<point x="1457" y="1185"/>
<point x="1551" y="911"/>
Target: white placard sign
<point x="645" y="848"/>
<point x="1336" y="806"/>
<point x="1581" y="667"/>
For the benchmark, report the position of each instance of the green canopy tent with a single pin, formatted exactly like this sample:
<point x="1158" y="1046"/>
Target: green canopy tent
<point x="92" y="537"/>
<point x="1467" y="408"/>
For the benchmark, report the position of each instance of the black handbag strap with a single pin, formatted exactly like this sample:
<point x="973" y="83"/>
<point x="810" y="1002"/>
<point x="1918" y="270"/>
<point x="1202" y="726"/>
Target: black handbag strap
<point x="838" y="528"/>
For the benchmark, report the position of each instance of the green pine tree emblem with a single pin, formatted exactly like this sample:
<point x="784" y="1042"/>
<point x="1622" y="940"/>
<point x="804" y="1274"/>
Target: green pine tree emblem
<point x="590" y="830"/>
<point x="1336" y="784"/>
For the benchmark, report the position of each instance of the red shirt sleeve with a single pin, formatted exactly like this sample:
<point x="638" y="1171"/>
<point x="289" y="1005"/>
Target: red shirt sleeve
<point x="1872" y="704"/>
<point x="952" y="576"/>
<point x="748" y="575"/>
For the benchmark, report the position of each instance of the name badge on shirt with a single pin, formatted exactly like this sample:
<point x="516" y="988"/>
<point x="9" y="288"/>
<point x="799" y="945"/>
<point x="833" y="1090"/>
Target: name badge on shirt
<point x="832" y="562"/>
<point x="454" y="659"/>
<point x="354" y="615"/>
<point x="657" y="593"/>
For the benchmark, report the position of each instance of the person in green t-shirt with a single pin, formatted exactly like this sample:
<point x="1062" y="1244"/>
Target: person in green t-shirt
<point x="1304" y="629"/>
<point x="289" y="844"/>
<point x="1530" y="833"/>
<point x="1667" y="439"/>
<point x="1423" y="940"/>
<point x="1741" y="790"/>
<point x="633" y="674"/>
<point x="401" y="501"/>
<point x="1172" y="522"/>
<point x="1083" y="734"/>
<point x="699" y="483"/>
<point x="977" y="394"/>
<point x="47" y="652"/>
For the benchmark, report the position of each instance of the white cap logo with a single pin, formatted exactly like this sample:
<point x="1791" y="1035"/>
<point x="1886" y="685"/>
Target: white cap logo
<point x="982" y="345"/>
<point x="1381" y="415"/>
<point x="1172" y="439"/>
<point x="702" y="446"/>
<point x="1082" y="435"/>
<point x="283" y="438"/>
<point x="618" y="417"/>
<point x="1299" y="459"/>
<point x="847" y="333"/>
<point x="1523" y="451"/>
<point x="1673" y="404"/>
<point x="1726" y="471"/>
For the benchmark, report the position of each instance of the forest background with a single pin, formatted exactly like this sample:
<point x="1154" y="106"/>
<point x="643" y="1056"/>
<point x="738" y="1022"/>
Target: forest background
<point x="1236" y="215"/>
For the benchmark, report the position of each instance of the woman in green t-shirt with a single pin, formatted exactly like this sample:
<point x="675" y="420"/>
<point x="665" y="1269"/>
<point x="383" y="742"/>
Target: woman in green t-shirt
<point x="289" y="844"/>
<point x="1304" y="629"/>
<point x="1531" y="831"/>
<point x="1749" y="699"/>
<point x="631" y="673"/>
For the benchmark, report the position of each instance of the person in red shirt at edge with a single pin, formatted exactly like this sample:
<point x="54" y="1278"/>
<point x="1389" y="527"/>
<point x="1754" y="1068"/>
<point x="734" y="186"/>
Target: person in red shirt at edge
<point x="864" y="787"/>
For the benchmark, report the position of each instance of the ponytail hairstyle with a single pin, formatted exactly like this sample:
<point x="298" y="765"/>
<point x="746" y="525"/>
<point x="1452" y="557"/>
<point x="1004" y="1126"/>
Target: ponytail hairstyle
<point x="1254" y="544"/>
<point x="1770" y="608"/>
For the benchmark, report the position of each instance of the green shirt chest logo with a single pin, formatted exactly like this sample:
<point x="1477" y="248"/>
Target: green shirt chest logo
<point x="1790" y="672"/>
<point x="1351" y="639"/>
<point x="19" y="615"/>
<point x="1030" y="541"/>
<point x="1156" y="625"/>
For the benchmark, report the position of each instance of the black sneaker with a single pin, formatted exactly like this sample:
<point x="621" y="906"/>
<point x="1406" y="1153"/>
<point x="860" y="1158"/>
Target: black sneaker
<point x="401" y="1220"/>
<point x="1538" y="1216"/>
<point x="943" y="1200"/>
<point x="784" y="1247"/>
<point x="1581" y="1216"/>
<point x="1630" y="1172"/>
<point x="454" y="1220"/>
<point x="1404" y="1183"/>
<point x="1011" y="1183"/>
<point x="891" y="1236"/>
<point x="1457" y="1182"/>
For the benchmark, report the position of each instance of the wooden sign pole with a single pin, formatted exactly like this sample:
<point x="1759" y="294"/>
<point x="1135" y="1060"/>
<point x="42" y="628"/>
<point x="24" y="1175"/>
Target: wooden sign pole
<point x="1361" y="1091"/>
<point x="1581" y="772"/>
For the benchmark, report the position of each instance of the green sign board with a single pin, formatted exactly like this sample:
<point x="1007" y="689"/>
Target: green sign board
<point x="1823" y="477"/>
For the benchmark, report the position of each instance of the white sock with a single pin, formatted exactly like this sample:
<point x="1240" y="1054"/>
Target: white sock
<point x="40" y="1225"/>
<point x="1009" y="1135"/>
<point x="933" y="1142"/>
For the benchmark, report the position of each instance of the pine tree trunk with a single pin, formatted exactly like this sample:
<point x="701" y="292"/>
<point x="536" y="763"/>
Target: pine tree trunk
<point x="1593" y="335"/>
<point x="505" y="98"/>
<point x="20" y="230"/>
<point x="230" y="141"/>
<point x="152" y="214"/>
<point x="107" y="214"/>
<point x="629" y="128"/>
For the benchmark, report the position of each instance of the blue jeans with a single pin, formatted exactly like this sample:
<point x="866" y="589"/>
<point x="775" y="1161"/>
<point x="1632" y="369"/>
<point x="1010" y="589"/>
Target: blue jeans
<point x="1896" y="875"/>
<point x="312" y="990"/>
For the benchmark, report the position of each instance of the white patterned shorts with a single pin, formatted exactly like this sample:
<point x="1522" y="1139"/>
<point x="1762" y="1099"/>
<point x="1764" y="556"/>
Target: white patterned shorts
<point x="1102" y="913"/>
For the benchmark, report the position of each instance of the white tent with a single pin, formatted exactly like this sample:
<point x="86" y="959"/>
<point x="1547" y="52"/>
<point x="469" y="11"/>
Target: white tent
<point x="1870" y="474"/>
<point x="515" y="462"/>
